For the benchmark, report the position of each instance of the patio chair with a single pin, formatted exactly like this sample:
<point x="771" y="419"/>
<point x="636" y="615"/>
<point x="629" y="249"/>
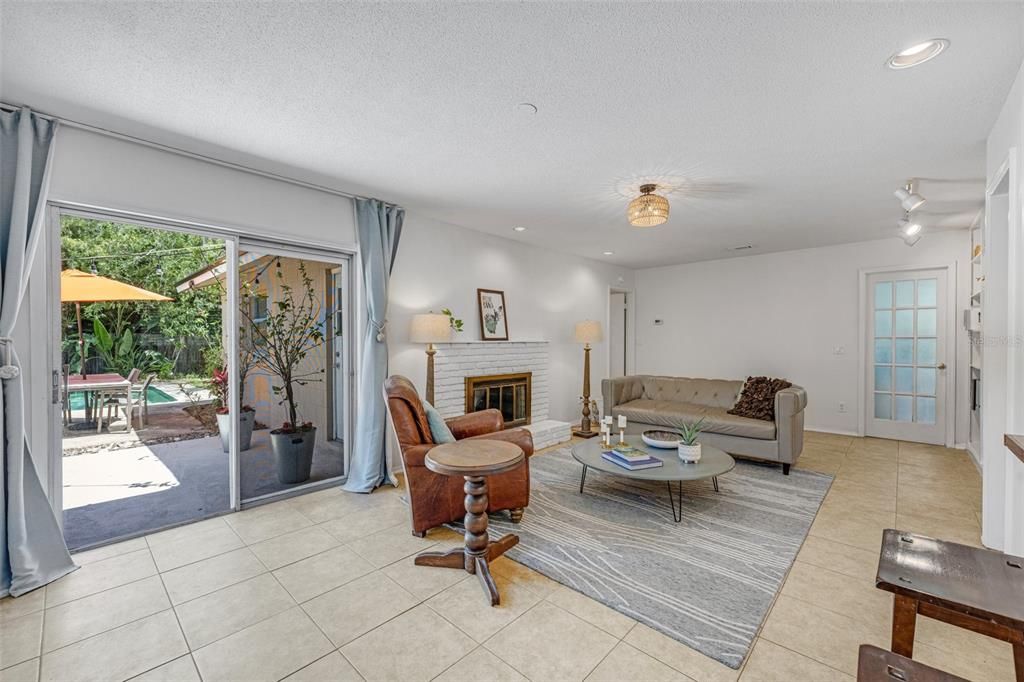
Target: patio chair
<point x="143" y="400"/>
<point x="140" y="401"/>
<point x="113" y="401"/>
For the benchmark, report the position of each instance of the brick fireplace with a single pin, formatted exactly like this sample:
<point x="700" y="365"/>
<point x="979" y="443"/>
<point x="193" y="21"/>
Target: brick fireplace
<point x="496" y="361"/>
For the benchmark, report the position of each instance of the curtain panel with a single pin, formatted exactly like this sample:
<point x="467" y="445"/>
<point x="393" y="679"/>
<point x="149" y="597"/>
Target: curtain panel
<point x="379" y="227"/>
<point x="32" y="549"/>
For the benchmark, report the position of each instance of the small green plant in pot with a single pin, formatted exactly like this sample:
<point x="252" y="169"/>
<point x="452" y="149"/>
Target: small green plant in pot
<point x="292" y="329"/>
<point x="246" y="420"/>
<point x="689" y="448"/>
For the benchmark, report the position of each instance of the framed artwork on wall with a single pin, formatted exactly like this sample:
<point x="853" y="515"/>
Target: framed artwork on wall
<point x="493" y="320"/>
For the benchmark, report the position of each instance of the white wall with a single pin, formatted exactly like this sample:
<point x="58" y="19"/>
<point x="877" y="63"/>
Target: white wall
<point x="782" y="314"/>
<point x="103" y="171"/>
<point x="441" y="266"/>
<point x="1003" y="331"/>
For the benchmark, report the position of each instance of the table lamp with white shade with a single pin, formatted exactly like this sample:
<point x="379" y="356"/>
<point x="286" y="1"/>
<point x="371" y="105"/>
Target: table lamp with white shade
<point x="587" y="332"/>
<point x="430" y="328"/>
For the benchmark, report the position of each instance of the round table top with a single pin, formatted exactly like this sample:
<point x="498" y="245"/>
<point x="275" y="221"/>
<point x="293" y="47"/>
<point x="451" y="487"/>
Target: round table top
<point x="713" y="461"/>
<point x="474" y="457"/>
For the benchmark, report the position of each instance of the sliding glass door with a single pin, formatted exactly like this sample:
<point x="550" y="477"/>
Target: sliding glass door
<point x="211" y="371"/>
<point x="292" y="369"/>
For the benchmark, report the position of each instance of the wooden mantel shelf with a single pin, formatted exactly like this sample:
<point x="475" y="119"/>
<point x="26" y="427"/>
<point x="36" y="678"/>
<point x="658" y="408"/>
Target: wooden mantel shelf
<point x="1015" y="444"/>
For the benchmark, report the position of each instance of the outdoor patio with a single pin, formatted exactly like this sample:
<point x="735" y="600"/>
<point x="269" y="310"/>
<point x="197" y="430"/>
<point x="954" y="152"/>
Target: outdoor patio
<point x="115" y="493"/>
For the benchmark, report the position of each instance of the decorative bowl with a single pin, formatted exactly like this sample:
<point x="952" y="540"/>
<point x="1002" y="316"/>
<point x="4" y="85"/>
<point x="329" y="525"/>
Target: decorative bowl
<point x="658" y="438"/>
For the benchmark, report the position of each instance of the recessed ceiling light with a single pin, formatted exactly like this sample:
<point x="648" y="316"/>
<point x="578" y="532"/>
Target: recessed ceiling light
<point x="609" y="253"/>
<point x="519" y="228"/>
<point x="918" y="54"/>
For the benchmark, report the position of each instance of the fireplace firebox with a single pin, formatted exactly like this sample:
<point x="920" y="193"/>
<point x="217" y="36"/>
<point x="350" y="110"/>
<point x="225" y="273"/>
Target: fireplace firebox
<point x="508" y="393"/>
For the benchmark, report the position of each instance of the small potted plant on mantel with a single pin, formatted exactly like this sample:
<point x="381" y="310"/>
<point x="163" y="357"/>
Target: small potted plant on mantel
<point x="291" y="330"/>
<point x="689" y="448"/>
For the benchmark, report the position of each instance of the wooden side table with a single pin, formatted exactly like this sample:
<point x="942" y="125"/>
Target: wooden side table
<point x="474" y="460"/>
<point x="977" y="589"/>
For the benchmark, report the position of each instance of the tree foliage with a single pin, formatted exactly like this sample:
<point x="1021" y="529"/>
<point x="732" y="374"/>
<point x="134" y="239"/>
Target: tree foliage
<point x="149" y="258"/>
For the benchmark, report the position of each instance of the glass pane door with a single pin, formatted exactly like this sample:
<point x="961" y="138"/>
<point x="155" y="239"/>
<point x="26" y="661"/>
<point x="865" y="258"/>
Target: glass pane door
<point x="906" y="344"/>
<point x="292" y="368"/>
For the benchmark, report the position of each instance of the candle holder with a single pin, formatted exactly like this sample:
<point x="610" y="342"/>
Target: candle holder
<point x="622" y="436"/>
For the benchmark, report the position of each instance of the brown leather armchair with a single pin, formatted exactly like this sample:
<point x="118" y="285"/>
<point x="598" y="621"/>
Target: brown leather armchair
<point x="437" y="499"/>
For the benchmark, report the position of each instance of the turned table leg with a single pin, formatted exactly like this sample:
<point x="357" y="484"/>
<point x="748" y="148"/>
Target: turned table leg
<point x="477" y="549"/>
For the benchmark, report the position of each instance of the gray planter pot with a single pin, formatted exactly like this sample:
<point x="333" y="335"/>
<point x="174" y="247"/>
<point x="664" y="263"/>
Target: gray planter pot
<point x="293" y="453"/>
<point x="244" y="435"/>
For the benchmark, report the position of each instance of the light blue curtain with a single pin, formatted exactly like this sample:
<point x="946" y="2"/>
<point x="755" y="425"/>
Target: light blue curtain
<point x="380" y="227"/>
<point x="32" y="549"/>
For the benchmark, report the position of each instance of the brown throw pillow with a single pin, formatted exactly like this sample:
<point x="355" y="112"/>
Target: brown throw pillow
<point x="757" y="400"/>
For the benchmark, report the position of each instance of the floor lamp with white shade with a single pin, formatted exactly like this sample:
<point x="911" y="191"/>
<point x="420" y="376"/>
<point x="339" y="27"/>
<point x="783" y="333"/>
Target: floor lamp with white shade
<point x="430" y="328"/>
<point x="587" y="332"/>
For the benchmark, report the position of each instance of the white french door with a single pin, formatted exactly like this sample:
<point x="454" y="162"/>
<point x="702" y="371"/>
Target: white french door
<point x="907" y="347"/>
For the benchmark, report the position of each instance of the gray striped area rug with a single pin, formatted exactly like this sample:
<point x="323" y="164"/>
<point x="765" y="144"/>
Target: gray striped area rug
<point x="707" y="582"/>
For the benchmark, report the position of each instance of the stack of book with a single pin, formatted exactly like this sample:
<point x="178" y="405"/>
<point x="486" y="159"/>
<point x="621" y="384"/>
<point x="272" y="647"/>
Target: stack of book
<point x="628" y="457"/>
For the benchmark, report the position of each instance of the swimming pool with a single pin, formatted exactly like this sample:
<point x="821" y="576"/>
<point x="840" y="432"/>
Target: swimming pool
<point x="154" y="394"/>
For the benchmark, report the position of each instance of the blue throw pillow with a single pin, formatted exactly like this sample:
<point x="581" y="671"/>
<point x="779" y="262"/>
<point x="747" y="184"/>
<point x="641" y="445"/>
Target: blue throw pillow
<point x="439" y="431"/>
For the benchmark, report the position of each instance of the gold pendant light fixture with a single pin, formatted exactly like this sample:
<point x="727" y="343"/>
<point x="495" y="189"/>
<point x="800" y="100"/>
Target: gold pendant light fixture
<point x="648" y="209"/>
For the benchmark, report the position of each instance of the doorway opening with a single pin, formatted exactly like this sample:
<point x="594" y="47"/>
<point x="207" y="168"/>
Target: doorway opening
<point x="137" y="420"/>
<point x="618" y="333"/>
<point x="211" y="373"/>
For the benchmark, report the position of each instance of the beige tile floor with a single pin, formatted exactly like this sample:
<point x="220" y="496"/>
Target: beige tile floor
<point x="323" y="587"/>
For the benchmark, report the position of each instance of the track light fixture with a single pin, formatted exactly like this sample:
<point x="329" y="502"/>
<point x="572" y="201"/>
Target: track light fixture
<point x="908" y="227"/>
<point x="910" y="230"/>
<point x="909" y="199"/>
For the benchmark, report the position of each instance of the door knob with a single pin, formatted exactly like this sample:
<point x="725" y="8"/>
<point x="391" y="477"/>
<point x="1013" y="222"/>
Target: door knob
<point x="942" y="365"/>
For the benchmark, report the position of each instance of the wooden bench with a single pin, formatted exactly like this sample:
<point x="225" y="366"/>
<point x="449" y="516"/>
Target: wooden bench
<point x="879" y="665"/>
<point x="977" y="589"/>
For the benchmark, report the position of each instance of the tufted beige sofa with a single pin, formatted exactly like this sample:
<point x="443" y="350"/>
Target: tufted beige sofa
<point x="669" y="402"/>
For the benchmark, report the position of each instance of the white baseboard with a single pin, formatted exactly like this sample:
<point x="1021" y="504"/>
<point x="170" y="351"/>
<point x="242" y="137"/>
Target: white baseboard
<point x="838" y="432"/>
<point x="974" y="456"/>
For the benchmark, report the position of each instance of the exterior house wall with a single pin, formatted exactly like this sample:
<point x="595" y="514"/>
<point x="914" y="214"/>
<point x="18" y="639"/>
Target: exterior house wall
<point x="312" y="398"/>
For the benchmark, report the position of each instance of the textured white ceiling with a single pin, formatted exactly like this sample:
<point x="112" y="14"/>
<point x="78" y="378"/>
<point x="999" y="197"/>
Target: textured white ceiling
<point x="777" y="123"/>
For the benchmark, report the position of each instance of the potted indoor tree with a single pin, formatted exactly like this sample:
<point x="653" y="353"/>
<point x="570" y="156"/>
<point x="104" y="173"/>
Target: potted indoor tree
<point x="282" y="340"/>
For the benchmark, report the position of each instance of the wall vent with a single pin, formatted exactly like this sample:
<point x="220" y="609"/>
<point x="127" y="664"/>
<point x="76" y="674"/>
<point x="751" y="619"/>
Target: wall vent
<point x="744" y="247"/>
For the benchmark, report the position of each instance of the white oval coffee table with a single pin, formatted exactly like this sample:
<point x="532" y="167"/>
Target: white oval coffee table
<point x="713" y="463"/>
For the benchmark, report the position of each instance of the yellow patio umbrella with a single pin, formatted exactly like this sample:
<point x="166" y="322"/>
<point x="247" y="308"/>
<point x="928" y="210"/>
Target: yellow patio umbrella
<point x="82" y="287"/>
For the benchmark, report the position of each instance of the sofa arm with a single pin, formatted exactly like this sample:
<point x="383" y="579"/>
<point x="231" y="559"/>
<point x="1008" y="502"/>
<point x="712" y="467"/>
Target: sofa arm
<point x="789" y="422"/>
<point x="620" y="390"/>
<point x="476" y="423"/>
<point x="790" y="401"/>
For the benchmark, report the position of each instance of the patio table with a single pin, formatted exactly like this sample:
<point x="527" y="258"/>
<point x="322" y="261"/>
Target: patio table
<point x="101" y="385"/>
